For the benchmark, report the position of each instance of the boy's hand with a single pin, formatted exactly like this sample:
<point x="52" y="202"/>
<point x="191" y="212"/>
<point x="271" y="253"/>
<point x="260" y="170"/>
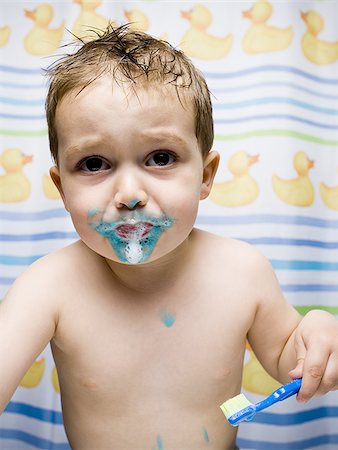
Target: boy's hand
<point x="316" y="346"/>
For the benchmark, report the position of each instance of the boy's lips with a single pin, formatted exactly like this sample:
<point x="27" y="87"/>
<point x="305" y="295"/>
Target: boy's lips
<point x="139" y="229"/>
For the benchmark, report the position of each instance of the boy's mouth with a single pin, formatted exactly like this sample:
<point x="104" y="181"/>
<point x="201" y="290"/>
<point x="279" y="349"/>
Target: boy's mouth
<point x="130" y="231"/>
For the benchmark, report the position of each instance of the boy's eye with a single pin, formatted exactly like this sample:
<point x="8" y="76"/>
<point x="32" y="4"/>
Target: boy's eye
<point x="160" y="159"/>
<point x="94" y="164"/>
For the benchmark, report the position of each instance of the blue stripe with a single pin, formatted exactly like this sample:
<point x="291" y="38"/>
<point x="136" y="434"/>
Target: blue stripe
<point x="296" y="418"/>
<point x="38" y="236"/>
<point x="201" y="220"/>
<point x="10" y="260"/>
<point x="30" y="439"/>
<point x="274" y="100"/>
<point x="266" y="418"/>
<point x="254" y="241"/>
<point x="4" y="84"/>
<point x="304" y="265"/>
<point x="288" y="241"/>
<point x="259" y="117"/>
<point x="34" y="412"/>
<point x="309" y="287"/>
<point x="264" y="84"/>
<point x="21" y="102"/>
<point x="314" y="442"/>
<point x="21" y="70"/>
<point x="37" y="215"/>
<point x="271" y="68"/>
<point x="13" y="260"/>
<point x="22" y="117"/>
<point x="266" y="219"/>
<point x="6" y="281"/>
<point x="239" y="73"/>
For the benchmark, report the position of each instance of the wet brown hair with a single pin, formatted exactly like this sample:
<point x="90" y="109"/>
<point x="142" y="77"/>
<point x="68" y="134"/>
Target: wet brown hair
<point x="135" y="57"/>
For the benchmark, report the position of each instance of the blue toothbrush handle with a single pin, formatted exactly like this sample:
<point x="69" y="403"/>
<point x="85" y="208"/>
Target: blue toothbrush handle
<point x="280" y="394"/>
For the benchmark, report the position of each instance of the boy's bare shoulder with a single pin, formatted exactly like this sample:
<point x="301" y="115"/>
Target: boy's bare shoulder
<point x="221" y="247"/>
<point x="55" y="270"/>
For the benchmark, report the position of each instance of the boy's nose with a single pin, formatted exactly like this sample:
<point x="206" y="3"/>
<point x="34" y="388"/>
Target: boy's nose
<point x="130" y="194"/>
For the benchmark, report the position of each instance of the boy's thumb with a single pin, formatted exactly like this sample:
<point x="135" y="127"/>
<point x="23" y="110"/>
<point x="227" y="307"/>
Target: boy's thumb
<point x="297" y="372"/>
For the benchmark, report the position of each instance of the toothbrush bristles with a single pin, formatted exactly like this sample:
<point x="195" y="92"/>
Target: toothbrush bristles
<point x="234" y="405"/>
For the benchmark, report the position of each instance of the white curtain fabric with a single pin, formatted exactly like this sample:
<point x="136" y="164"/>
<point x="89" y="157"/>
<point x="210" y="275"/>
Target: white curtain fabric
<point x="272" y="68"/>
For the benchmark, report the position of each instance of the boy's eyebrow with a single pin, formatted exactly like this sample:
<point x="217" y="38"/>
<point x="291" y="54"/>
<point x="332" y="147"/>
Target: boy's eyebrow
<point x="164" y="136"/>
<point x="74" y="150"/>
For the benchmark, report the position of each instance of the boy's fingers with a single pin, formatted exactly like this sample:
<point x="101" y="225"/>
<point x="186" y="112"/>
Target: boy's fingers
<point x="297" y="372"/>
<point x="330" y="378"/>
<point x="314" y="367"/>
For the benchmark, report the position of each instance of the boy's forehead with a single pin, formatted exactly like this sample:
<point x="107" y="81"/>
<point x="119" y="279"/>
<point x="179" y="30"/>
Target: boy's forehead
<point x="141" y="91"/>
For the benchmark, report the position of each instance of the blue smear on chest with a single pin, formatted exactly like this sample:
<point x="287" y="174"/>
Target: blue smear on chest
<point x="167" y="318"/>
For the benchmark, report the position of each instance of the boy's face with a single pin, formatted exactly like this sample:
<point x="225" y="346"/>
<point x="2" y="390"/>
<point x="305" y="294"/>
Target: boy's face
<point x="130" y="170"/>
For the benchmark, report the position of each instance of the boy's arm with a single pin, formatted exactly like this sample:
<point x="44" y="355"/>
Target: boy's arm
<point x="27" y="323"/>
<point x="288" y="345"/>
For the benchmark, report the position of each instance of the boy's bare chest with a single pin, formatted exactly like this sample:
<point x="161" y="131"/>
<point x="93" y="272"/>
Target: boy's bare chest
<point x="160" y="345"/>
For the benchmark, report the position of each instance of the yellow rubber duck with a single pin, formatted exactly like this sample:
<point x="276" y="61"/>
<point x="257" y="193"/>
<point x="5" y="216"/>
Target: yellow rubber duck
<point x="329" y="196"/>
<point x="317" y="51"/>
<point x="49" y="188"/>
<point x="55" y="381"/>
<point x="14" y="185"/>
<point x="89" y="21"/>
<point x="196" y="42"/>
<point x="297" y="191"/>
<point x="243" y="188"/>
<point x="34" y="375"/>
<point x="262" y="38"/>
<point x="42" y="40"/>
<point x="255" y="378"/>
<point x="137" y="19"/>
<point x="4" y="35"/>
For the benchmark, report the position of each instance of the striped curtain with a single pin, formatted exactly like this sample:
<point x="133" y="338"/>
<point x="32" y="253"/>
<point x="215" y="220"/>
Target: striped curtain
<point x="272" y="68"/>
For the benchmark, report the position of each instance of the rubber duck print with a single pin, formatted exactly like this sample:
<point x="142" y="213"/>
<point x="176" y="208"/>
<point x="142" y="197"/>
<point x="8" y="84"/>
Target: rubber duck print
<point x="317" y="51"/>
<point x="196" y="42"/>
<point x="89" y="21"/>
<point x="255" y="378"/>
<point x="49" y="188"/>
<point x="329" y="196"/>
<point x="137" y="19"/>
<point x="4" y="35"/>
<point x="34" y="375"/>
<point x="55" y="380"/>
<point x="14" y="185"/>
<point x="42" y="40"/>
<point x="242" y="189"/>
<point x="297" y="191"/>
<point x="262" y="38"/>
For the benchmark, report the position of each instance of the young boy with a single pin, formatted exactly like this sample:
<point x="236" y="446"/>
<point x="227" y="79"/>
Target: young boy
<point x="148" y="316"/>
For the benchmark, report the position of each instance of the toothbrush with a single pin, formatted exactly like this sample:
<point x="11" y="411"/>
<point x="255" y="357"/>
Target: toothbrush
<point x="239" y="409"/>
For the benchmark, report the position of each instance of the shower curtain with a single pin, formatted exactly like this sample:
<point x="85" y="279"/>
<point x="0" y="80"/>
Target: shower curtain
<point x="272" y="69"/>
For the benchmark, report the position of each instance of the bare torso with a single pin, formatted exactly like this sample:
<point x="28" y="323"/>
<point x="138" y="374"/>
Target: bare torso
<point x="148" y="370"/>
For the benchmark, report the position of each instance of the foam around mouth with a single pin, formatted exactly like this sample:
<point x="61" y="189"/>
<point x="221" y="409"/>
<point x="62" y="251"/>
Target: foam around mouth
<point x="134" y="251"/>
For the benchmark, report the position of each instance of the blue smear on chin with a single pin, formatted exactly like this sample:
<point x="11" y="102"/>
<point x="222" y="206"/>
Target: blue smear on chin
<point x="120" y="245"/>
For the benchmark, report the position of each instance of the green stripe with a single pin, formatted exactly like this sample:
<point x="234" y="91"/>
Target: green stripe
<point x="24" y="133"/>
<point x="305" y="309"/>
<point x="273" y="132"/>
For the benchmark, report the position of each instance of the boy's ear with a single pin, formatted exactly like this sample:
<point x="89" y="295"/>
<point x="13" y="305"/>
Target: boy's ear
<point x="210" y="166"/>
<point x="55" y="176"/>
